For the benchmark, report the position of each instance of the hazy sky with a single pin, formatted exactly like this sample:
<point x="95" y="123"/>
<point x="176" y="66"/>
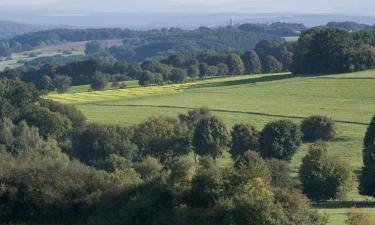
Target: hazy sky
<point x="249" y="6"/>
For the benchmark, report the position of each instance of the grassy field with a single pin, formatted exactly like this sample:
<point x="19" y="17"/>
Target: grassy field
<point x="77" y="48"/>
<point x="255" y="99"/>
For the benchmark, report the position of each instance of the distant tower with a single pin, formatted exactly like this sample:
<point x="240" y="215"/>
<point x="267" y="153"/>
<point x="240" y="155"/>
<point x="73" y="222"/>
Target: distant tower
<point x="231" y="22"/>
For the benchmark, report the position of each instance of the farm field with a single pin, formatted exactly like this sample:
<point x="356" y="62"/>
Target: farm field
<point x="257" y="99"/>
<point x="76" y="48"/>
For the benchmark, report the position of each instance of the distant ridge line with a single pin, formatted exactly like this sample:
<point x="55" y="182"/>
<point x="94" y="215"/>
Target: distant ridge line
<point x="225" y="111"/>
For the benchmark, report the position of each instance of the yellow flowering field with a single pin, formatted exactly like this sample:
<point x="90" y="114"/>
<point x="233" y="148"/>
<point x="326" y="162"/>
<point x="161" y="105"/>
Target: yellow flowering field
<point x="98" y="96"/>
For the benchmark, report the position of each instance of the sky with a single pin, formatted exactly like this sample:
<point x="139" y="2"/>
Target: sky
<point x="244" y="6"/>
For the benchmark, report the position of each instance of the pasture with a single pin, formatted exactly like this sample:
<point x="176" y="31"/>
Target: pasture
<point x="76" y="48"/>
<point x="257" y="99"/>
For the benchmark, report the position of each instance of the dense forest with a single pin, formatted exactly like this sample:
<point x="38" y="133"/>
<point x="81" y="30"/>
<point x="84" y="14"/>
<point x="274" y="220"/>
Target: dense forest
<point x="139" y="45"/>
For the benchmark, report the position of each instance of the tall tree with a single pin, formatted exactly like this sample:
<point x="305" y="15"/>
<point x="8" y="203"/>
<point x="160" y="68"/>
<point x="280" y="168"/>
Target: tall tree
<point x="252" y="62"/>
<point x="211" y="137"/>
<point x="324" y="177"/>
<point x="245" y="137"/>
<point x="280" y="140"/>
<point x="235" y="64"/>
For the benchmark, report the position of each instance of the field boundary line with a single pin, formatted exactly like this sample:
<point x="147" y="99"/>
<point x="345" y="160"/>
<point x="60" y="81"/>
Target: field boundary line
<point x="222" y="110"/>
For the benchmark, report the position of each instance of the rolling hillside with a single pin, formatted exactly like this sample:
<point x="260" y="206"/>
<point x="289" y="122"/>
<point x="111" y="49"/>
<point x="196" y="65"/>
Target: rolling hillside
<point x="256" y="99"/>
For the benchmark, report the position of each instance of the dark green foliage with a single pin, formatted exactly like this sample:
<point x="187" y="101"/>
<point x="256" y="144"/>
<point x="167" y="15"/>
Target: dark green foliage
<point x="331" y="50"/>
<point x="148" y="78"/>
<point x="178" y="75"/>
<point x="149" y="168"/>
<point x="316" y="128"/>
<point x="280" y="174"/>
<point x="367" y="178"/>
<point x="62" y="83"/>
<point x="324" y="177"/>
<point x="207" y="187"/>
<point x="50" y="124"/>
<point x="194" y="116"/>
<point x="46" y="84"/>
<point x="22" y="141"/>
<point x="29" y="194"/>
<point x="252" y="62"/>
<point x="211" y="137"/>
<point x="370" y="134"/>
<point x="365" y="37"/>
<point x="73" y="114"/>
<point x="235" y="64"/>
<point x="15" y="98"/>
<point x="94" y="47"/>
<point x="245" y="137"/>
<point x="162" y="138"/>
<point x="272" y="65"/>
<point x="251" y="166"/>
<point x="280" y="140"/>
<point x="99" y="81"/>
<point x="97" y="142"/>
<point x="349" y="26"/>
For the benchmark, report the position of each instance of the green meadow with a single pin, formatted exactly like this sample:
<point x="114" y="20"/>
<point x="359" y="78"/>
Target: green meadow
<point x="257" y="99"/>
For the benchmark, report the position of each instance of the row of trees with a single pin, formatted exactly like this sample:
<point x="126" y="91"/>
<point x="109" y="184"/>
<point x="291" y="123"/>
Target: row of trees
<point x="267" y="57"/>
<point x="331" y="50"/>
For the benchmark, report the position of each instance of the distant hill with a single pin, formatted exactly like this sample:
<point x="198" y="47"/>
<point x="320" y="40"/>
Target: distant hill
<point x="10" y="29"/>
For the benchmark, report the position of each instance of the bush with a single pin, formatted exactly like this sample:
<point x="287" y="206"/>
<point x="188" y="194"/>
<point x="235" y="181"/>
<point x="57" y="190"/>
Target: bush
<point x="324" y="177"/>
<point x="317" y="128"/>
<point x="356" y="217"/>
<point x="245" y="137"/>
<point x="280" y="140"/>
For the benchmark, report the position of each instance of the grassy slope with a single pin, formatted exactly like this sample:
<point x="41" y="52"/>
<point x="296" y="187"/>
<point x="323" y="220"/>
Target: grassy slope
<point x="77" y="48"/>
<point x="348" y="98"/>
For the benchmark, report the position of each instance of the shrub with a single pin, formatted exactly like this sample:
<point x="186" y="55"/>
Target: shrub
<point x="244" y="137"/>
<point x="280" y="140"/>
<point x="324" y="177"/>
<point x="317" y="128"/>
<point x="356" y="217"/>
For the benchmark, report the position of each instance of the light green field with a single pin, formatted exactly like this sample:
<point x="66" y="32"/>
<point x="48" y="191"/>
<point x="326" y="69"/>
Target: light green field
<point x="257" y="99"/>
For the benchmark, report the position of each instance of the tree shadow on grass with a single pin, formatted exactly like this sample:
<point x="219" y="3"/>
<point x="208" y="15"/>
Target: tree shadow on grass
<point x="250" y="81"/>
<point x="345" y="204"/>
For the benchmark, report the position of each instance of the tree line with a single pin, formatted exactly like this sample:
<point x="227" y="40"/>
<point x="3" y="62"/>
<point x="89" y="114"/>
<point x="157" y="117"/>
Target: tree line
<point x="268" y="56"/>
<point x="139" y="45"/>
<point x="331" y="50"/>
